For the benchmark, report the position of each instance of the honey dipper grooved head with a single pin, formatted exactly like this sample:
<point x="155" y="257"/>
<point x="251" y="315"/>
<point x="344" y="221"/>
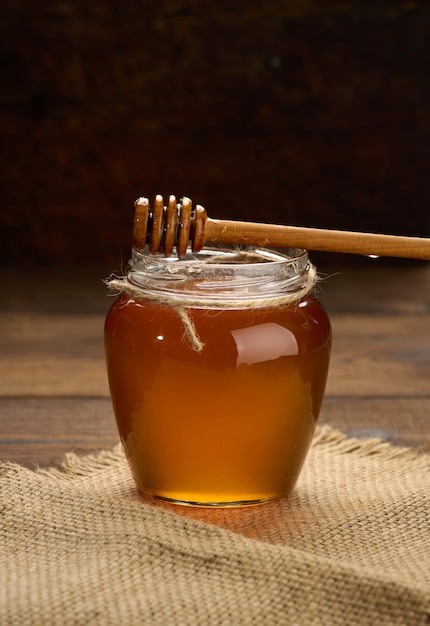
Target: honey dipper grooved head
<point x="166" y="226"/>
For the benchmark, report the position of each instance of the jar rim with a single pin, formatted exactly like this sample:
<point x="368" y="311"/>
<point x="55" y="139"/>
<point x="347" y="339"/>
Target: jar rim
<point x="203" y="282"/>
<point x="234" y="256"/>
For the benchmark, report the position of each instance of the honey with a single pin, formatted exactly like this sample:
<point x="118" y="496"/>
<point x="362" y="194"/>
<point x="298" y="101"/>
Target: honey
<point x="229" y="421"/>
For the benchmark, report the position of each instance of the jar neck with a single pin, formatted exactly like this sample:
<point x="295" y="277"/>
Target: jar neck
<point x="223" y="276"/>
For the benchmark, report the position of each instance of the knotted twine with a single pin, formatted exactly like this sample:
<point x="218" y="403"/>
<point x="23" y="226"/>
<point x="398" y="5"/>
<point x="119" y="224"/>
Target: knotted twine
<point x="123" y="284"/>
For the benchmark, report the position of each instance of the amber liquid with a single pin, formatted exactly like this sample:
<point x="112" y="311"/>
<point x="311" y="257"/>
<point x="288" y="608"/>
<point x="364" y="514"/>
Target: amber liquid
<point x="229" y="425"/>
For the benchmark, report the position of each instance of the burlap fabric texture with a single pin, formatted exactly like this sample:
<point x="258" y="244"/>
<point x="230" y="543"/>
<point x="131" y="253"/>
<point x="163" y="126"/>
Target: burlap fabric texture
<point x="351" y="546"/>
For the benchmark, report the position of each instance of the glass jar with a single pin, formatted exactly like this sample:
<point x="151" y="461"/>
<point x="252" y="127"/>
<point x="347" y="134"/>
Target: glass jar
<point x="217" y="365"/>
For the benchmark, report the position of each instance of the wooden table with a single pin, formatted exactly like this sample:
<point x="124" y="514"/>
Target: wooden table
<point x="54" y="395"/>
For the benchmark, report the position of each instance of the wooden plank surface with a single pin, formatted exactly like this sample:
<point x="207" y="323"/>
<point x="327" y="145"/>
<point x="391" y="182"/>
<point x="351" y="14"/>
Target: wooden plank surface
<point x="63" y="355"/>
<point x="54" y="395"/>
<point x="40" y="431"/>
<point x="52" y="355"/>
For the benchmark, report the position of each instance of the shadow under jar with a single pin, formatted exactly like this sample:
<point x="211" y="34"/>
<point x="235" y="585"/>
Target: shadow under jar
<point x="217" y="366"/>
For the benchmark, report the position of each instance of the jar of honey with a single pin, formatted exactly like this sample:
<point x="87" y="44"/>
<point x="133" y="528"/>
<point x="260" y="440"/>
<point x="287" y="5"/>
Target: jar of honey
<point x="217" y="365"/>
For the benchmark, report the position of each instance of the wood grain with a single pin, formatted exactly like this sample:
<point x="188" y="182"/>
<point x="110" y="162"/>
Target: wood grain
<point x="322" y="239"/>
<point x="40" y="431"/>
<point x="63" y="356"/>
<point x="400" y="421"/>
<point x="54" y="396"/>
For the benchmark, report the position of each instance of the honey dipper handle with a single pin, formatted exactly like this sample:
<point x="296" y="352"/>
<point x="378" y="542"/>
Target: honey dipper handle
<point x="369" y="244"/>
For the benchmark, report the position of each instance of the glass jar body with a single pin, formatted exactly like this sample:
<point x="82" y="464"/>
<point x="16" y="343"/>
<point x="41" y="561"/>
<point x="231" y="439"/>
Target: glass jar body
<point x="229" y="424"/>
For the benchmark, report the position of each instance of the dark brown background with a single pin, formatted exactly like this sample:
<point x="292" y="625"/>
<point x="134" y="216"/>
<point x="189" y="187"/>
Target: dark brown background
<point x="301" y="112"/>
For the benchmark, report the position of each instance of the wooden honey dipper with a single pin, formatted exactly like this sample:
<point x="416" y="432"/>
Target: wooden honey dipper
<point x="178" y="224"/>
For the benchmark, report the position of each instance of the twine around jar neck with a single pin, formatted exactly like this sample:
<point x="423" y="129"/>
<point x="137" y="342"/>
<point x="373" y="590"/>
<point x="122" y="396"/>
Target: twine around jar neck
<point x="136" y="285"/>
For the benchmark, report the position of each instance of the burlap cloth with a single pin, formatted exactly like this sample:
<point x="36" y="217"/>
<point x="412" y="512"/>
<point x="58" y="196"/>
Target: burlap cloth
<point x="351" y="546"/>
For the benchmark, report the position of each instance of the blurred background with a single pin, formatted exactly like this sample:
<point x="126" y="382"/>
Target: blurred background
<point x="302" y="112"/>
